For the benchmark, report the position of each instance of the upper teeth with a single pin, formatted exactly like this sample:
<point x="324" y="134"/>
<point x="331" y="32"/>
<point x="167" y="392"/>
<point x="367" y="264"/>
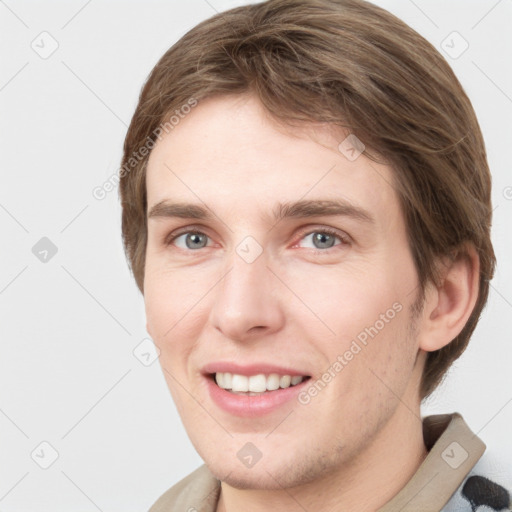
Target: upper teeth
<point x="255" y="383"/>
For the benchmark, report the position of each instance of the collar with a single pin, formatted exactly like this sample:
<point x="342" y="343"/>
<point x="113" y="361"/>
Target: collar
<point x="453" y="451"/>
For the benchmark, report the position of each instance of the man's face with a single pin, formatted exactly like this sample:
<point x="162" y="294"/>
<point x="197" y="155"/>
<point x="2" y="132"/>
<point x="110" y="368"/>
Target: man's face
<point x="245" y="293"/>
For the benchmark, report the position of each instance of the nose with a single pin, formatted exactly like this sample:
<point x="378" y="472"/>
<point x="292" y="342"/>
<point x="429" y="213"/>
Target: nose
<point x="247" y="300"/>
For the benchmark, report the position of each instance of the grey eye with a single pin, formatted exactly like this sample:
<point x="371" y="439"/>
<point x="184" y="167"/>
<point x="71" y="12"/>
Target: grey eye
<point x="192" y="240"/>
<point x="321" y="239"/>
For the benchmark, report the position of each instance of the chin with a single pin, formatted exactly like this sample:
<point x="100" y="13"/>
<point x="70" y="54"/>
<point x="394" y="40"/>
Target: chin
<point x="258" y="479"/>
<point x="264" y="476"/>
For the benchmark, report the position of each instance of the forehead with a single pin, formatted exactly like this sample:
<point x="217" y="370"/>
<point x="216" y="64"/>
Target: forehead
<point x="228" y="153"/>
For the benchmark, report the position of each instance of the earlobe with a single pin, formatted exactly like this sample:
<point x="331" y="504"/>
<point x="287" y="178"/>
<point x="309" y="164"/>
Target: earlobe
<point x="449" y="304"/>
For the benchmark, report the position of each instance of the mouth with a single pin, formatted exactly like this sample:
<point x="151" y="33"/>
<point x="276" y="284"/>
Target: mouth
<point x="255" y="385"/>
<point x="255" y="388"/>
<point x="253" y="395"/>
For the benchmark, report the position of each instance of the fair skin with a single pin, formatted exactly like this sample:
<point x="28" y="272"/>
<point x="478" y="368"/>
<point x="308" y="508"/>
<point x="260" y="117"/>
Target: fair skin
<point x="299" y="304"/>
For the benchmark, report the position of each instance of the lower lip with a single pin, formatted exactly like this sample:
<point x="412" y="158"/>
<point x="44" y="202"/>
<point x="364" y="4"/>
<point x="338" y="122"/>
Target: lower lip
<point x="252" y="406"/>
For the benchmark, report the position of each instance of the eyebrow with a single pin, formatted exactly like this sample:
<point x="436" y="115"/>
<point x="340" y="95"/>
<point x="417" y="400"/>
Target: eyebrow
<point x="297" y="209"/>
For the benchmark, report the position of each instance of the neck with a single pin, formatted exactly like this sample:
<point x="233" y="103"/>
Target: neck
<point x="366" y="483"/>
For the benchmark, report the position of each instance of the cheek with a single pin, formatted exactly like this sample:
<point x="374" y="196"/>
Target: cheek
<point x="158" y="304"/>
<point x="361" y="315"/>
<point x="163" y="311"/>
<point x="345" y="299"/>
<point x="176" y="308"/>
<point x="166" y="293"/>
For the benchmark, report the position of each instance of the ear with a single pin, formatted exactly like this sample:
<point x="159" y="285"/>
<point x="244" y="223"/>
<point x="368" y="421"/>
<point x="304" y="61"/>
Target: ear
<point x="449" y="304"/>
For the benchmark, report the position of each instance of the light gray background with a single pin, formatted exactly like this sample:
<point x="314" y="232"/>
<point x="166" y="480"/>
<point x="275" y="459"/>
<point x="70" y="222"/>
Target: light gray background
<point x="69" y="326"/>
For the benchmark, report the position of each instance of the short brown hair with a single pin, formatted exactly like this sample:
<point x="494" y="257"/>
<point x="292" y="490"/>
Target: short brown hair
<point x="351" y="64"/>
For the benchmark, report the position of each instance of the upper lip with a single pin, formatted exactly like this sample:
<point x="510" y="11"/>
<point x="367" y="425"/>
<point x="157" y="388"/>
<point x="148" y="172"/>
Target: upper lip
<point x="250" y="369"/>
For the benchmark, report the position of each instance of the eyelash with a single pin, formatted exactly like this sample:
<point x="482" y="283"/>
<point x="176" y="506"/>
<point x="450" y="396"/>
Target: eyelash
<point x="325" y="230"/>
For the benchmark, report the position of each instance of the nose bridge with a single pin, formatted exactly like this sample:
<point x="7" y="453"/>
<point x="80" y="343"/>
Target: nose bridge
<point x="244" y="299"/>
